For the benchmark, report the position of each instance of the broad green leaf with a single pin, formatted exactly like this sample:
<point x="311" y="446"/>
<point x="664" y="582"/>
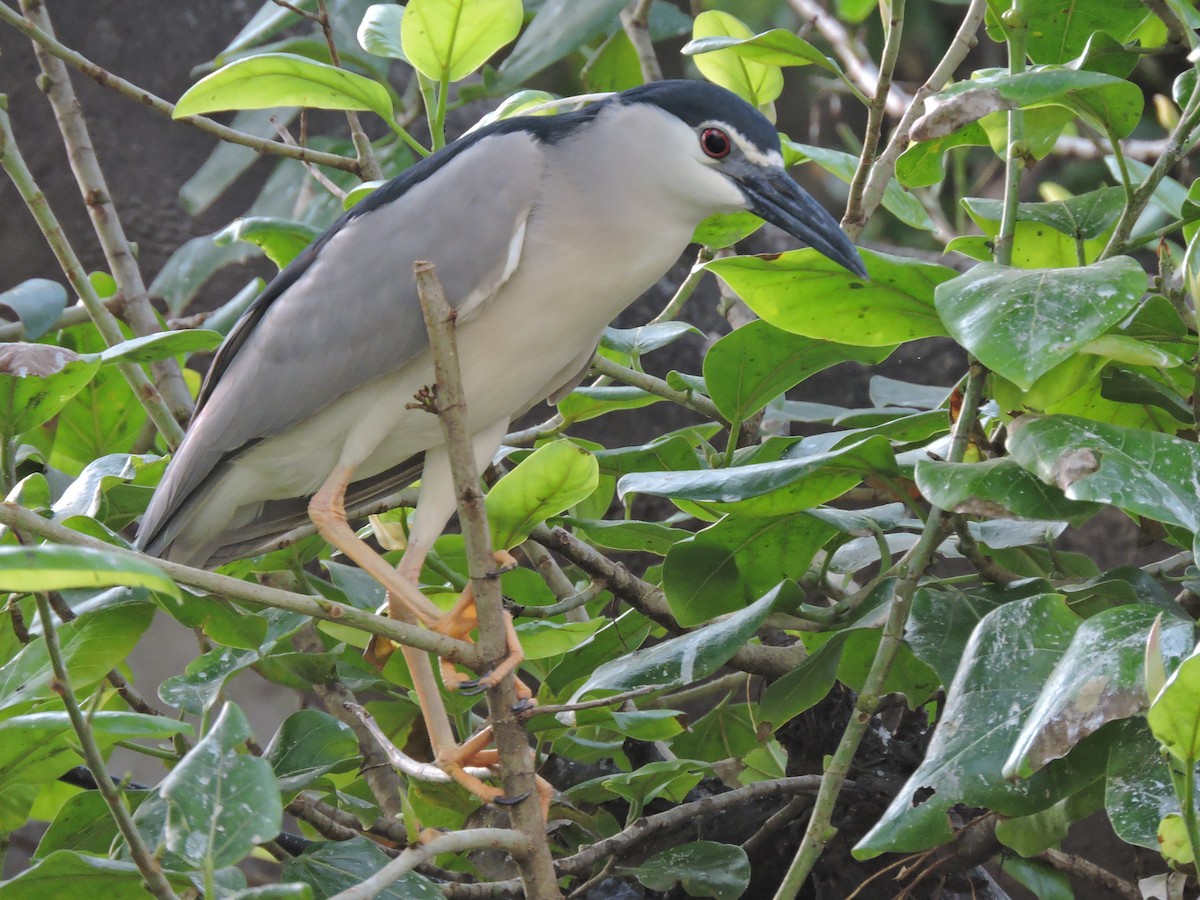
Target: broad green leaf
<point x="854" y="11"/>
<point x="922" y="164"/>
<point x="36" y="304"/>
<point x="162" y="345"/>
<point x="542" y="639"/>
<point x="1141" y="472"/>
<point x="307" y="745"/>
<point x="1124" y="386"/>
<point x="228" y="162"/>
<point x="36" y="381"/>
<point x="718" y="232"/>
<point x="1139" y="789"/>
<point x="805" y="686"/>
<point x="555" y="477"/>
<point x="560" y="27"/>
<point x="56" y="567"/>
<point x="191" y="266"/>
<point x="681" y="660"/>
<point x="755" y="82"/>
<point x="64" y="872"/>
<point x="613" y="67"/>
<point x="1083" y="217"/>
<point x="770" y="489"/>
<point x="221" y="802"/>
<point x="645" y="537"/>
<point x="728" y="565"/>
<point x="1046" y="882"/>
<point x="1009" y="657"/>
<point x="282" y="240"/>
<point x="637" y="341"/>
<point x="1059" y="32"/>
<point x="623" y="634"/>
<point x="113" y="489"/>
<point x="450" y="39"/>
<point x="331" y="867"/>
<point x="895" y="306"/>
<point x="702" y="869"/>
<point x="899" y="202"/>
<point x="996" y="488"/>
<point x="283" y="79"/>
<point x="1129" y="350"/>
<point x="84" y="824"/>
<point x="1023" y="322"/>
<point x="585" y="403"/>
<point x="1174" y="716"/>
<point x="1098" y="680"/>
<point x="753" y="364"/>
<point x="776" y="47"/>
<point x="379" y="32"/>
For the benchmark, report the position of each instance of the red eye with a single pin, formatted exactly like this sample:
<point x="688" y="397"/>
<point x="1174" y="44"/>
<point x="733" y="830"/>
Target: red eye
<point x="715" y="143"/>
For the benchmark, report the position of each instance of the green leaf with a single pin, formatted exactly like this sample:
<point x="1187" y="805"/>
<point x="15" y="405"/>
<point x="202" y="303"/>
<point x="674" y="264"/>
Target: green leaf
<point x="1083" y="217"/>
<point x="728" y="565"/>
<point x="702" y="869"/>
<point x="1023" y="322"/>
<point x="996" y="488"/>
<point x="1174" y="717"/>
<point x="1010" y="655"/>
<point x="62" y="873"/>
<point x="1098" y="680"/>
<point x="805" y="686"/>
<point x="542" y="639"/>
<point x="221" y="803"/>
<point x="113" y="489"/>
<point x="755" y="82"/>
<point x="282" y="240"/>
<point x="776" y="47"/>
<point x="162" y="345"/>
<point x="895" y="306"/>
<point x="1141" y="472"/>
<point x="681" y="660"/>
<point x="752" y="365"/>
<point x="645" y="537"/>
<point x="331" y="867"/>
<point x="36" y="381"/>
<point x="560" y="27"/>
<point x="637" y="341"/>
<point x="379" y="32"/>
<point x="36" y="303"/>
<point x="1124" y="386"/>
<point x="283" y="79"/>
<point x="53" y="567"/>
<point x="555" y="477"/>
<point x="899" y="202"/>
<point x="720" y="231"/>
<point x="450" y="39"/>
<point x="921" y="165"/>
<point x="585" y="403"/>
<point x="307" y="745"/>
<point x="1139" y="789"/>
<point x="1059" y="32"/>
<point x="84" y="824"/>
<point x="773" y="488"/>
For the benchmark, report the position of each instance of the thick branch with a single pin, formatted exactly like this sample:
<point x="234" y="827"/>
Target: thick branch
<point x="533" y="858"/>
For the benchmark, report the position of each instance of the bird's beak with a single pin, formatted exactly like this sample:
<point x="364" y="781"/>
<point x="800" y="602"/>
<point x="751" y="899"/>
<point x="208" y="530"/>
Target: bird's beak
<point x="772" y="194"/>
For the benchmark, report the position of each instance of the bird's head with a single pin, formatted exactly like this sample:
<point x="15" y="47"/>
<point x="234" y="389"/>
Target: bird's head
<point x="722" y="152"/>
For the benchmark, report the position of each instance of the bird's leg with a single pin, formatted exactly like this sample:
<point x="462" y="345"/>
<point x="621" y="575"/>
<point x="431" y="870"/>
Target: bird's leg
<point x="459" y="623"/>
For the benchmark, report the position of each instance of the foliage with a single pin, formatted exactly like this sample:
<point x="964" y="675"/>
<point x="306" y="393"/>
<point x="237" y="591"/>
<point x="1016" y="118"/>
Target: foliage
<point x="926" y="546"/>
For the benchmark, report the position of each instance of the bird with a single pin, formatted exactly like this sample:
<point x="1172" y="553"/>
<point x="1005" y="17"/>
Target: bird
<point x="542" y="229"/>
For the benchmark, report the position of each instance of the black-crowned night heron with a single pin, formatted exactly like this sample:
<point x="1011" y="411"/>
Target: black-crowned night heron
<point x="542" y="230"/>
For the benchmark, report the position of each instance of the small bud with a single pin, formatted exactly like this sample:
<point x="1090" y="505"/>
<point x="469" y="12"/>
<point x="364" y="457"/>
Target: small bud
<point x="1166" y="112"/>
<point x="1013" y="18"/>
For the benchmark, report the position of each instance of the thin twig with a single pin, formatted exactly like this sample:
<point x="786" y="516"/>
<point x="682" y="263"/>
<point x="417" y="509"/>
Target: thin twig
<point x="81" y="154"/>
<point x="143" y="388"/>
<point x="1077" y="865"/>
<point x="368" y="164"/>
<point x="21" y="519"/>
<point x="636" y="23"/>
<point x="969" y="547"/>
<point x="152" y="873"/>
<point x="107" y="79"/>
<point x="884" y="167"/>
<point x="651" y="385"/>
<point x="914" y="563"/>
<point x="875" y="113"/>
<point x="686" y="288"/>
<point x="455" y="842"/>
<point x="320" y="177"/>
<point x="532" y="852"/>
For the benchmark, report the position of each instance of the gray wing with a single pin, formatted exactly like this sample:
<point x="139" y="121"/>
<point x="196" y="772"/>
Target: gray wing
<point x="346" y="311"/>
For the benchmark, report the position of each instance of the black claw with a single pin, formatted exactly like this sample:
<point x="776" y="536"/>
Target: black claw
<point x="511" y="801"/>
<point x="523" y="705"/>
<point x="471" y="688"/>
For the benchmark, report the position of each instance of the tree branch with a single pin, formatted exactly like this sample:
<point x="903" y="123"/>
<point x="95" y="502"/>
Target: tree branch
<point x="635" y="21"/>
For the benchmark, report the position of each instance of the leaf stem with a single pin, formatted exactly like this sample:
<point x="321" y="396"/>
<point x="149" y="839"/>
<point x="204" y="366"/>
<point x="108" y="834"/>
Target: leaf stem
<point x="909" y="570"/>
<point x="8" y="462"/>
<point x="155" y="881"/>
<point x="1016" y="35"/>
<point x="651" y="385"/>
<point x="438" y="126"/>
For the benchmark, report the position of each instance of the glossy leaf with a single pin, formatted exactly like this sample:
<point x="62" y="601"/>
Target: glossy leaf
<point x="162" y="345"/>
<point x="1023" y="322"/>
<point x="556" y="476"/>
<point x="57" y="567"/>
<point x="702" y="869"/>
<point x="1083" y="217"/>
<point x="36" y="304"/>
<point x="895" y="306"/>
<point x="63" y="872"/>
<point x="922" y="164"/>
<point x="805" y="686"/>
<point x="36" y="381"/>
<point x="636" y="341"/>
<point x="996" y="488"/>
<point x="896" y="200"/>
<point x="307" y="745"/>
<point x="221" y="802"/>
<point x="283" y="79"/>
<point x="379" y="31"/>
<point x="1058" y="33"/>
<point x="1098" y="680"/>
<point x="560" y="27"/>
<point x="1174" y="718"/>
<point x="1138" y="789"/>
<point x="1141" y="472"/>
<point x="282" y="240"/>
<point x="331" y="867"/>
<point x="681" y="660"/>
<point x="776" y="47"/>
<point x="450" y="39"/>
<point x="753" y="364"/>
<point x="1007" y="660"/>
<point x="755" y="82"/>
